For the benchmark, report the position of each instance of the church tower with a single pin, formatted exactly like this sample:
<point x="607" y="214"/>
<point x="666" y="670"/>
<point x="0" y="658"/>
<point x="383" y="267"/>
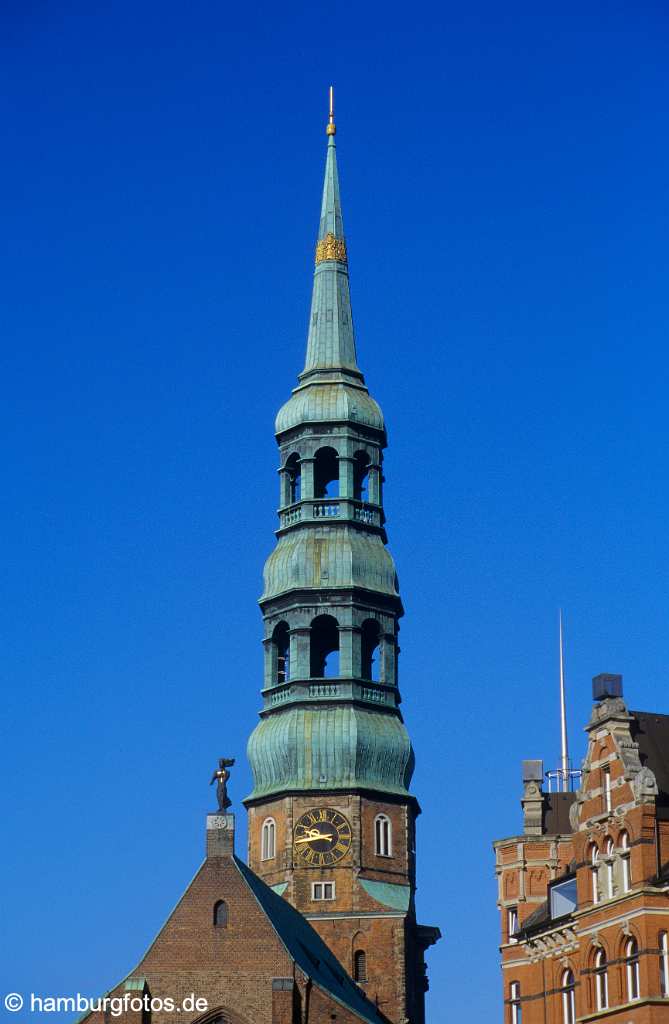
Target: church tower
<point x="331" y="818"/>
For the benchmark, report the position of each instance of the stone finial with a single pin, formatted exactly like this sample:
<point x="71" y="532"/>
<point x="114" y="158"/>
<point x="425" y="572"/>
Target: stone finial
<point x="533" y="798"/>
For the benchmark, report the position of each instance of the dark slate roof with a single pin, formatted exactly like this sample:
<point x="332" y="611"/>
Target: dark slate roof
<point x="307" y="949"/>
<point x="556" y="813"/>
<point x="651" y="732"/>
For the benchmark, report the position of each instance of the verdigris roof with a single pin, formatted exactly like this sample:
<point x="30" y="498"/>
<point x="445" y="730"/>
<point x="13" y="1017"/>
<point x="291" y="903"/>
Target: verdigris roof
<point x="329" y="557"/>
<point x="341" y="747"/>
<point x="323" y="401"/>
<point x="308" y="950"/>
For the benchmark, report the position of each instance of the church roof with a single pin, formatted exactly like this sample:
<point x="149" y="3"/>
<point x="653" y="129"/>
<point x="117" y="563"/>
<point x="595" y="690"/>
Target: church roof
<point x="305" y="946"/>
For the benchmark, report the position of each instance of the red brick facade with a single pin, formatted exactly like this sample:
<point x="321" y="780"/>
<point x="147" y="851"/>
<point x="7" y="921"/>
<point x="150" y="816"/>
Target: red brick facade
<point x="606" y="957"/>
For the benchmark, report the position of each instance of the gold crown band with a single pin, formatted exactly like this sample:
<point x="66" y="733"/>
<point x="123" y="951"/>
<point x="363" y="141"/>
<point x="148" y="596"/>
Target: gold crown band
<point x="331" y="248"/>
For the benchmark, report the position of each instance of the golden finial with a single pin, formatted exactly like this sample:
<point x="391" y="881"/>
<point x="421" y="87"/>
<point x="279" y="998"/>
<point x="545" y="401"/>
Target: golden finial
<point x="331" y="130"/>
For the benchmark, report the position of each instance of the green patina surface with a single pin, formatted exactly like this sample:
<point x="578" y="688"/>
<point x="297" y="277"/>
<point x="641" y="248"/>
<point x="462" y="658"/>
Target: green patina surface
<point x="330" y="748"/>
<point x="398" y="897"/>
<point x="279" y="888"/>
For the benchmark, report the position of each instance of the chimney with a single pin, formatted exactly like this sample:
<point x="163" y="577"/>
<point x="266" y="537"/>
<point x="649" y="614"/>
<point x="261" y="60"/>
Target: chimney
<point x="220" y="835"/>
<point x="533" y="798"/>
<point x="607" y="684"/>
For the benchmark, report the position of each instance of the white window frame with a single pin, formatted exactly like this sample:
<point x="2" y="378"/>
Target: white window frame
<point x="625" y="862"/>
<point x="319" y="891"/>
<point x="609" y="853"/>
<point x="594" y="860"/>
<point x="601" y="980"/>
<point x="511" y="923"/>
<point x="268" y="839"/>
<point x="516" y="1005"/>
<point x="606" y="788"/>
<point x="568" y="998"/>
<point x="664" y="964"/>
<point x="632" y="969"/>
<point x="383" y="836"/>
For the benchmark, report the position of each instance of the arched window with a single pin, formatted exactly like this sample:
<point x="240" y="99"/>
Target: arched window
<point x="360" y="965"/>
<point x="383" y="836"/>
<point x="220" y="914"/>
<point x="594" y="872"/>
<point x="294" y="471"/>
<point x="268" y="839"/>
<point x="664" y="964"/>
<point x="326" y="473"/>
<point x="370" y="640"/>
<point x="601" y="980"/>
<point x="632" y="968"/>
<point x="281" y="640"/>
<point x="609" y="851"/>
<point x="361" y="476"/>
<point x="515" y="1003"/>
<point x="324" y="647"/>
<point x="568" y="997"/>
<point x="625" y="861"/>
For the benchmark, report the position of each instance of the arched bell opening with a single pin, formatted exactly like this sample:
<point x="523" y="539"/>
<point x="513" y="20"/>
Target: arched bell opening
<point x="324" y="647"/>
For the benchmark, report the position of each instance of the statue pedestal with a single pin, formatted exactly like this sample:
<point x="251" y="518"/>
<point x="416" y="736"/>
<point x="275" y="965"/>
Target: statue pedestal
<point x="220" y="835"/>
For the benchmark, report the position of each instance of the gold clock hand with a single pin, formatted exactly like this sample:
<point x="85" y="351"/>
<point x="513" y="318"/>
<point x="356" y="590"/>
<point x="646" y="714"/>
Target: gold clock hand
<point x="312" y="837"/>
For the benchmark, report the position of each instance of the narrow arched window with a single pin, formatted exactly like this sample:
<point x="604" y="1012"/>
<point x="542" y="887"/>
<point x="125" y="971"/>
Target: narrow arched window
<point x="568" y="998"/>
<point x="326" y="473"/>
<point x="220" y="914"/>
<point x="361" y="476"/>
<point x="632" y="968"/>
<point x="625" y="861"/>
<point x="383" y="836"/>
<point x="594" y="872"/>
<point x="664" y="964"/>
<point x="360" y="965"/>
<point x="370" y="640"/>
<point x="324" y="647"/>
<point x="601" y="980"/>
<point x="294" y="471"/>
<point x="515" y="1003"/>
<point x="281" y="640"/>
<point x="268" y="839"/>
<point x="609" y="853"/>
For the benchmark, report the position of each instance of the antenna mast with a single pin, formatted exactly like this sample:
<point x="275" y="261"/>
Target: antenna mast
<point x="564" y="749"/>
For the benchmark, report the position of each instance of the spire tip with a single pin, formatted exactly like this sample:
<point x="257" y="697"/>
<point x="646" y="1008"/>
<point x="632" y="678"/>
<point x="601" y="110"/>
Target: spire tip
<point x="331" y="129"/>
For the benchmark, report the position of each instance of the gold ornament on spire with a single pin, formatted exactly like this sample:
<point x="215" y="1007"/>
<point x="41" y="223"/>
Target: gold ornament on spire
<point x="331" y="248"/>
<point x="331" y="129"/>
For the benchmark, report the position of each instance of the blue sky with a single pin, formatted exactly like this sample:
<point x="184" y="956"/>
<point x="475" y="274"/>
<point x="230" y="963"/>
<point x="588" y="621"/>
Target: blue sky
<point x="504" y="180"/>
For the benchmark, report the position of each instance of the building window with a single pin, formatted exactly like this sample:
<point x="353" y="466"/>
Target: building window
<point x="383" y="836"/>
<point x="369" y="642"/>
<point x="326" y="473"/>
<point x="294" y="473"/>
<point x="568" y="998"/>
<point x="322" y="890"/>
<point x="609" y="849"/>
<point x="281" y="641"/>
<point x="625" y="862"/>
<point x="515" y="1003"/>
<point x="601" y="980"/>
<point x="221" y="914"/>
<point x="512" y="923"/>
<point x="632" y="969"/>
<point x="268" y="844"/>
<point x="360" y="965"/>
<point x="664" y="964"/>
<point x="594" y="872"/>
<point x="324" y="657"/>
<point x="606" y="788"/>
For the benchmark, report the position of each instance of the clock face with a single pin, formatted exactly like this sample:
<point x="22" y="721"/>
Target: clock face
<point x="321" y="837"/>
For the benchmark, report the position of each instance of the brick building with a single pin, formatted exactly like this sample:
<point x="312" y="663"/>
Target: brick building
<point x="584" y="889"/>
<point x="321" y="924"/>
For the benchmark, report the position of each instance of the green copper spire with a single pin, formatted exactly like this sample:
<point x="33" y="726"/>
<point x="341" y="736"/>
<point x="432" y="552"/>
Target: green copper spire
<point x="331" y="343"/>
